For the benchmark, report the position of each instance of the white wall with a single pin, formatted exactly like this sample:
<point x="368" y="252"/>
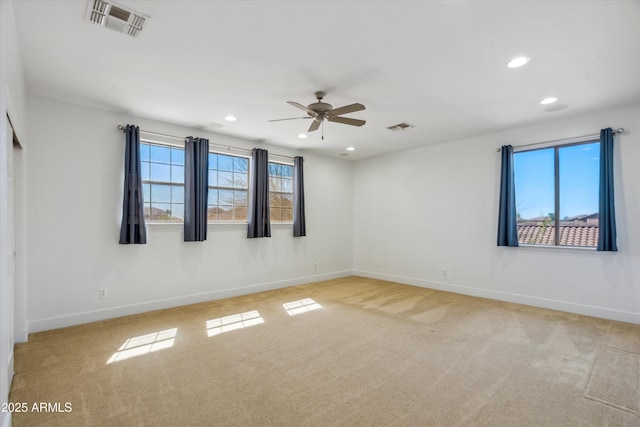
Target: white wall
<point x="419" y="212"/>
<point x="12" y="102"/>
<point x="442" y="216"/>
<point x="75" y="201"/>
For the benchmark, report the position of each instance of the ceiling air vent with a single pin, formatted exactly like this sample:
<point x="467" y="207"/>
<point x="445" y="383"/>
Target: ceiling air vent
<point x="400" y="126"/>
<point x="115" y="17"/>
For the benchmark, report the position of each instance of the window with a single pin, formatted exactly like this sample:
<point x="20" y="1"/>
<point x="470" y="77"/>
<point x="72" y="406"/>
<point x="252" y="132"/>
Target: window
<point x="162" y="182"/>
<point x="228" y="187"/>
<point x="557" y="194"/>
<point x="280" y="192"/>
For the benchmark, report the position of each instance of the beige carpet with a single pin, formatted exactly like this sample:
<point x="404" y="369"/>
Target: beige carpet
<point x="346" y="352"/>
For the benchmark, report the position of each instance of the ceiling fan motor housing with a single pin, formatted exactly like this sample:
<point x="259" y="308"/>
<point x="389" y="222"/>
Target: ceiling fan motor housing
<point x="320" y="108"/>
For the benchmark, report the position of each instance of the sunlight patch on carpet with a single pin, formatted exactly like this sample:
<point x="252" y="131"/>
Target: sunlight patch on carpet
<point x="301" y="306"/>
<point x="233" y="322"/>
<point x="144" y="344"/>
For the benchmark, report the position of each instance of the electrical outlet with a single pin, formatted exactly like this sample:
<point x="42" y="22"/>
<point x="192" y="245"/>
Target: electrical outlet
<point x="102" y="293"/>
<point x="444" y="272"/>
<point x="315" y="266"/>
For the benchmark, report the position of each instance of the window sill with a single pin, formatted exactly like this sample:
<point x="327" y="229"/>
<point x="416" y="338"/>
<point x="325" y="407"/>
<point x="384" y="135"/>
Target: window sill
<point x="558" y="248"/>
<point x="181" y="224"/>
<point x="167" y="224"/>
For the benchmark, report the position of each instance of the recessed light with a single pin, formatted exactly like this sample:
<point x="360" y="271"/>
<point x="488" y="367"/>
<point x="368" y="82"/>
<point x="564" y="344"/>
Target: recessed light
<point x="518" y="62"/>
<point x="230" y="119"/>
<point x="302" y="136"/>
<point x="549" y="100"/>
<point x="351" y="149"/>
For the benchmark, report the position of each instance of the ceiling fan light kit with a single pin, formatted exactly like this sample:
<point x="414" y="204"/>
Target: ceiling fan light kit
<point x="320" y="111"/>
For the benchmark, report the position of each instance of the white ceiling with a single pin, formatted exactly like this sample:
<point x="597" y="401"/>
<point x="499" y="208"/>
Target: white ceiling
<point x="438" y="65"/>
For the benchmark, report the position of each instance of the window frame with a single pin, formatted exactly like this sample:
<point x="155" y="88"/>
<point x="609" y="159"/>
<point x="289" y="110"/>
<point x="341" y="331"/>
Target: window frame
<point x="180" y="222"/>
<point x="291" y="165"/>
<point x="556" y="146"/>
<point x="248" y="189"/>
<point x="169" y="145"/>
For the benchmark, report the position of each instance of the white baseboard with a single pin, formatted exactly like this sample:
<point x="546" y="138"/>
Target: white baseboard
<point x="570" y="307"/>
<point x="40" y="325"/>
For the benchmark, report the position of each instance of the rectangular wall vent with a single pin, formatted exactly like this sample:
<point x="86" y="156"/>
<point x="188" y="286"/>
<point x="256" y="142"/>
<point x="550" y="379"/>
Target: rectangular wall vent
<point x="400" y="126"/>
<point x="115" y="17"/>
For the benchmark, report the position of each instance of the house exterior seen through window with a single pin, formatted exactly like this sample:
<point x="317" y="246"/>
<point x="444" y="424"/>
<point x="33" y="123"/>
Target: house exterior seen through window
<point x="557" y="194"/>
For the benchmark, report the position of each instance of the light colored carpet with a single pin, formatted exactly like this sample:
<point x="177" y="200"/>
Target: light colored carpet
<point x="345" y="352"/>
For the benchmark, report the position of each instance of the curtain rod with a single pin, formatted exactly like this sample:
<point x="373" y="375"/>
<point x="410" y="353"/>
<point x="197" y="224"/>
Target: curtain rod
<point x="619" y="130"/>
<point x="228" y="147"/>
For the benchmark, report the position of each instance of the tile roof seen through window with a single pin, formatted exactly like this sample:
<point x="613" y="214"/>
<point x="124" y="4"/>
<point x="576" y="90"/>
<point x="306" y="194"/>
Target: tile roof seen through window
<point x="571" y="234"/>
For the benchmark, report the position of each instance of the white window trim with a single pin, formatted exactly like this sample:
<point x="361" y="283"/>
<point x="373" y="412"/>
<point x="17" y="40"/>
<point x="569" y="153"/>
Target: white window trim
<point x="556" y="143"/>
<point x="558" y="247"/>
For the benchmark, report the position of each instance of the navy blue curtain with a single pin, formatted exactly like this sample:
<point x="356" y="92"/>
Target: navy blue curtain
<point x="507" y="224"/>
<point x="299" y="221"/>
<point x="258" y="214"/>
<point x="606" y="211"/>
<point x="196" y="188"/>
<point x="132" y="228"/>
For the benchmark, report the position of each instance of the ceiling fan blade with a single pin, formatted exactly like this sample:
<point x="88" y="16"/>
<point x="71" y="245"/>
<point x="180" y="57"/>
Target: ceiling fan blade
<point x="292" y="118"/>
<point x="346" y="121"/>
<point x="347" y="109"/>
<point x="302" y="107"/>
<point x="314" y="126"/>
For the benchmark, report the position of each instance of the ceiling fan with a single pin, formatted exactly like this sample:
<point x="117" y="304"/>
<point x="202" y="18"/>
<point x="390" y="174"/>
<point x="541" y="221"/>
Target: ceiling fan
<point x="319" y="111"/>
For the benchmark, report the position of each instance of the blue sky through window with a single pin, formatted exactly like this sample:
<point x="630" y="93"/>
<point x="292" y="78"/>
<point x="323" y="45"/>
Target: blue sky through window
<point x="163" y="182"/>
<point x="578" y="178"/>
